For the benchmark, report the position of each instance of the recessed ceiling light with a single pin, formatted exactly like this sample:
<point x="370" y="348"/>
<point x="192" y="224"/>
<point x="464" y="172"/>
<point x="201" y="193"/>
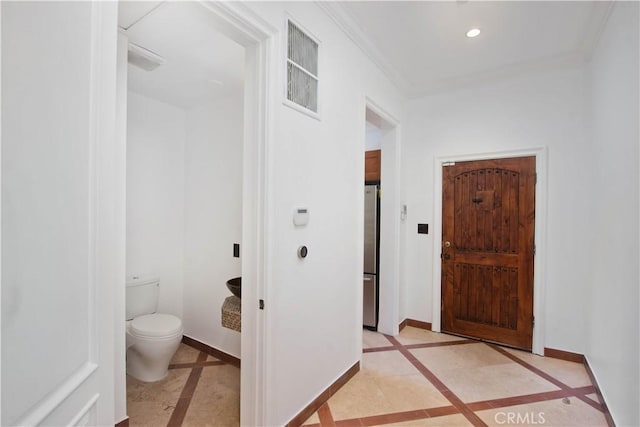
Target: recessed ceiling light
<point x="474" y="32"/>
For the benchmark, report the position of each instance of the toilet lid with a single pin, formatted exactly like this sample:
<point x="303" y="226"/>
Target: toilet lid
<point x="156" y="325"/>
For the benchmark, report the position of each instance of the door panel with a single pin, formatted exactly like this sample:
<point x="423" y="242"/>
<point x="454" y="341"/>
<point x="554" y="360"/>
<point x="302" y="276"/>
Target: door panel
<point x="59" y="244"/>
<point x="487" y="253"/>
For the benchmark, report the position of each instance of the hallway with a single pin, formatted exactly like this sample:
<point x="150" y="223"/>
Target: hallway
<point x="422" y="378"/>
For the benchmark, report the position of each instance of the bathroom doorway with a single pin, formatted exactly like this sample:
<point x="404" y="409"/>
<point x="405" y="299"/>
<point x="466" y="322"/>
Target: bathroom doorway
<point x="190" y="138"/>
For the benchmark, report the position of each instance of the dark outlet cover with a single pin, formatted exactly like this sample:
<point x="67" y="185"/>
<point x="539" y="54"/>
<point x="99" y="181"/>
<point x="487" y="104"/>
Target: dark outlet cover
<point x="236" y="250"/>
<point x="423" y="228"/>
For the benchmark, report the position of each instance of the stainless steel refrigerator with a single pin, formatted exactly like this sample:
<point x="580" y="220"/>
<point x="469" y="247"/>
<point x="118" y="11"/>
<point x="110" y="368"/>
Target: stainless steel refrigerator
<point x="371" y="244"/>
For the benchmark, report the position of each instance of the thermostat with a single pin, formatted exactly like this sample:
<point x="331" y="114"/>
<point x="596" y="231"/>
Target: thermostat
<point x="300" y="216"/>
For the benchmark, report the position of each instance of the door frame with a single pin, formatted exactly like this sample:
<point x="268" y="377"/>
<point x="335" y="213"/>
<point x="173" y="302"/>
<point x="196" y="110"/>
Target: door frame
<point x="389" y="270"/>
<point x="540" y="224"/>
<point x="259" y="38"/>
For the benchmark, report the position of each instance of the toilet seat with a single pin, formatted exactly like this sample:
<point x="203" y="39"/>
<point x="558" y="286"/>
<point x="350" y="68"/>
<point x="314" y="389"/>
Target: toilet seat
<point x="156" y="325"/>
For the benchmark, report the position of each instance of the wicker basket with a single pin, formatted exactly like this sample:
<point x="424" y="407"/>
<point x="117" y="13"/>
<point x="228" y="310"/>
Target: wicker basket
<point x="231" y="314"/>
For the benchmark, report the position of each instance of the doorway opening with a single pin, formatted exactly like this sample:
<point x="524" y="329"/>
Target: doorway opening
<point x="185" y="120"/>
<point x="372" y="182"/>
<point x="219" y="98"/>
<point x="381" y="221"/>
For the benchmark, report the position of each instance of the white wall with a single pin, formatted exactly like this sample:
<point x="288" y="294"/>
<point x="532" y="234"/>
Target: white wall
<point x="184" y="208"/>
<point x="545" y="109"/>
<point x="373" y="137"/>
<point x="313" y="308"/>
<point x="155" y="196"/>
<point x="612" y="344"/>
<point x="212" y="218"/>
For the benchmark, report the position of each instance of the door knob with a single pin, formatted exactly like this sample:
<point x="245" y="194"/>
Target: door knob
<point x="446" y="256"/>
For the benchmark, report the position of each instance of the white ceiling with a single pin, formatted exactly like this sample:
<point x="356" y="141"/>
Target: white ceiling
<point x="201" y="63"/>
<point x="422" y="45"/>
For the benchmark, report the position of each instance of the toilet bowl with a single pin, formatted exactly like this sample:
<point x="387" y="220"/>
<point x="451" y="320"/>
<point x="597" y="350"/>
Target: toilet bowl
<point x="152" y="340"/>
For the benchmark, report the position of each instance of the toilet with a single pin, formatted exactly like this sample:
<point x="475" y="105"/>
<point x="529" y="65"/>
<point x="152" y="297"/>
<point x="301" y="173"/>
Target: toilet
<point x="152" y="338"/>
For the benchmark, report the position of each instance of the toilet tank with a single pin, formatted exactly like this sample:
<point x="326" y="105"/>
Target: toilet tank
<point x="142" y="295"/>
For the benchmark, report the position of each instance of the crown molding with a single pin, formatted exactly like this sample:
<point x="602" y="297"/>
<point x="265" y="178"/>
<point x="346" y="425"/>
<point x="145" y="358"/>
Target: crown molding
<point x="348" y="26"/>
<point x="581" y="54"/>
<point x="535" y="66"/>
<point x="595" y="27"/>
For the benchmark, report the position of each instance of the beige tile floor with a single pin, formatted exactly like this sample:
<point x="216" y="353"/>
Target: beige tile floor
<point x="431" y="379"/>
<point x="151" y="404"/>
<point x="419" y="378"/>
<point x="199" y="391"/>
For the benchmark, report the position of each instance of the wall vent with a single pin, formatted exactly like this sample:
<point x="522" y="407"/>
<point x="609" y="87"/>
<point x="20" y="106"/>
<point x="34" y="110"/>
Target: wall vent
<point x="302" y="68"/>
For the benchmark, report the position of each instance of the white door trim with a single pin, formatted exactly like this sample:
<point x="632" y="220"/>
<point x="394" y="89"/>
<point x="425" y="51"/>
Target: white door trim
<point x="247" y="28"/>
<point x="1" y="202"/>
<point x="539" y="281"/>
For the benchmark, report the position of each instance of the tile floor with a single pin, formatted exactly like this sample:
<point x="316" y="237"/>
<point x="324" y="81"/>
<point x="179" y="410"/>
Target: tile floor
<point x="422" y="378"/>
<point x="200" y="390"/>
<point x="419" y="378"/>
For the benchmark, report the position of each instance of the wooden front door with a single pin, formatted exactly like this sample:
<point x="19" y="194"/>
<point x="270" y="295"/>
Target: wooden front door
<point x="488" y="209"/>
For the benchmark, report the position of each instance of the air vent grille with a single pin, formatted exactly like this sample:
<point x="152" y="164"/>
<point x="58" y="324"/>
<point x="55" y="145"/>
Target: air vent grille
<point x="302" y="68"/>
